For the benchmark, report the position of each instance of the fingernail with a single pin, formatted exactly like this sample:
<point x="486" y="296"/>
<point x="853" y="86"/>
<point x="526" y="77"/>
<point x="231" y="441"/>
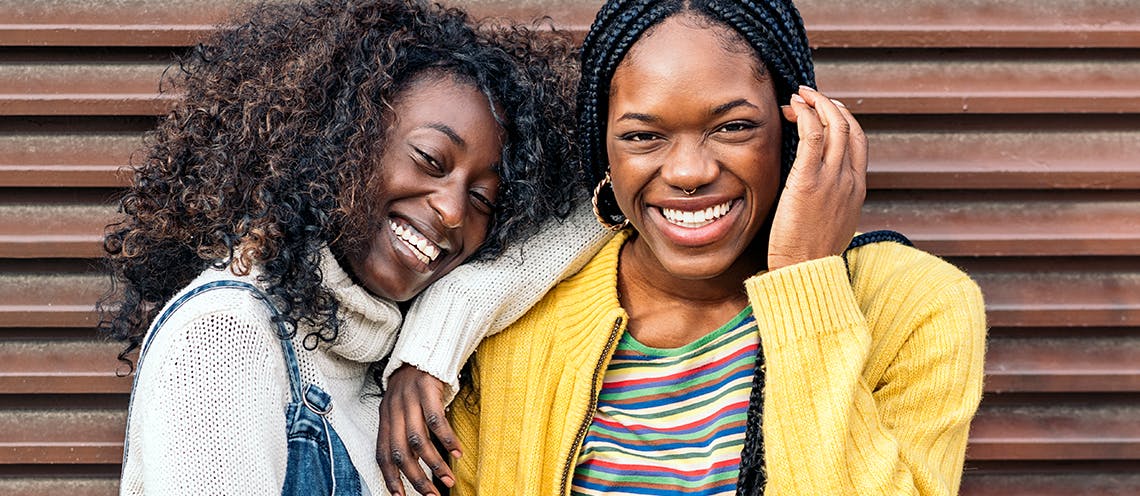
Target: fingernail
<point x="809" y="88"/>
<point x="837" y="102"/>
<point x="447" y="481"/>
<point x="798" y="98"/>
<point x="456" y="453"/>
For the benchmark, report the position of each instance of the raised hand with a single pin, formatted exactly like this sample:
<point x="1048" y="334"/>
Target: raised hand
<point x="820" y="205"/>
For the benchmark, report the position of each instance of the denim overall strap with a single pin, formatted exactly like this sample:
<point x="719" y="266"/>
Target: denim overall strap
<point x="286" y="348"/>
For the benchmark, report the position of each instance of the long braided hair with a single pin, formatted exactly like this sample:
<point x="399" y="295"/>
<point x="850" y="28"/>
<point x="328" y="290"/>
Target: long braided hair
<point x="775" y="32"/>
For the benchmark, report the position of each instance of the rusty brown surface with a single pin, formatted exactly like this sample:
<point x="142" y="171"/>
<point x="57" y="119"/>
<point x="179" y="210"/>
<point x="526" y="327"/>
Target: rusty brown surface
<point x="831" y="23"/>
<point x="992" y="143"/>
<point x="970" y="83"/>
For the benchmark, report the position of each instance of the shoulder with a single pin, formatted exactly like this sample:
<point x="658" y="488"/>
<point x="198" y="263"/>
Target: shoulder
<point x="890" y="266"/>
<point x="904" y="284"/>
<point x="213" y="320"/>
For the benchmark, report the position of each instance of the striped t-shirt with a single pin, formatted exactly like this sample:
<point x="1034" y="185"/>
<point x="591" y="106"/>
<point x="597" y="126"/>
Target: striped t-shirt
<point x="671" y="421"/>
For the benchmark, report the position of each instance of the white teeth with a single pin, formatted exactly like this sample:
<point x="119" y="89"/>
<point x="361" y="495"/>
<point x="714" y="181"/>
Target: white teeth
<point x="700" y="218"/>
<point x="423" y="249"/>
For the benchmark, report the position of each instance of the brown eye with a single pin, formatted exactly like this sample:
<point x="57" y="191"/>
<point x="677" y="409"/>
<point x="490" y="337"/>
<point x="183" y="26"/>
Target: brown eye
<point x="638" y="137"/>
<point x="734" y="127"/>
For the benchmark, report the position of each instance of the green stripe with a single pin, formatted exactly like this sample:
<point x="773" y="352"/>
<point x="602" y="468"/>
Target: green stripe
<point x="630" y="343"/>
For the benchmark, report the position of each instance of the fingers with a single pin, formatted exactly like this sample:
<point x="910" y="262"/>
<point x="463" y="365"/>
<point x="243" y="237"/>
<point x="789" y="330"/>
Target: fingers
<point x="843" y="144"/>
<point x="384" y="448"/>
<point x="419" y="442"/>
<point x="436" y="420"/>
<point x="836" y="129"/>
<point x="410" y="413"/>
<point x="857" y="143"/>
<point x="809" y="152"/>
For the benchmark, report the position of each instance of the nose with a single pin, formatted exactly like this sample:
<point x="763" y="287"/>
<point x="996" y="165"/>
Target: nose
<point x="450" y="205"/>
<point x="689" y="166"/>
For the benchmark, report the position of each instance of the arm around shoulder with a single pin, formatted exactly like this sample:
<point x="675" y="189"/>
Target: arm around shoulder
<point x="450" y="318"/>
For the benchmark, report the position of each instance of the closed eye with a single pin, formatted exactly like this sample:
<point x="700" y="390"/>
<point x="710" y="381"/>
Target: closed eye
<point x="429" y="163"/>
<point x="482" y="202"/>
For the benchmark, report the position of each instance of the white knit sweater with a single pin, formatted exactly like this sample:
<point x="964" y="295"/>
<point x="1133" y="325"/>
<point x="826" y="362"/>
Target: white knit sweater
<point x="208" y="412"/>
<point x="208" y="408"/>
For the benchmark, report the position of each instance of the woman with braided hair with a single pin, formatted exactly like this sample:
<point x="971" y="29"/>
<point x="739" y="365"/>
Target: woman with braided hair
<point x="328" y="160"/>
<point x="732" y="338"/>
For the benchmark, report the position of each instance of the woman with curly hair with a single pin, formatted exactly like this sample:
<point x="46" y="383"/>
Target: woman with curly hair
<point x="329" y="160"/>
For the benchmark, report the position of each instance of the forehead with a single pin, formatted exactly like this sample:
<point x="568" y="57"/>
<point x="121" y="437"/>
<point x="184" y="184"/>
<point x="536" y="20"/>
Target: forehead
<point x="690" y="58"/>
<point x="443" y="98"/>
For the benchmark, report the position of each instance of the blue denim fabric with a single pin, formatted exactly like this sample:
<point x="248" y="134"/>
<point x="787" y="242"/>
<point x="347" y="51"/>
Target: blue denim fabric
<point x="318" y="462"/>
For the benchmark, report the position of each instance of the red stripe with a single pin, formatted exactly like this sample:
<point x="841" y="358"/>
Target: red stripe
<point x="633" y="382"/>
<point x="654" y="468"/>
<point x="733" y="406"/>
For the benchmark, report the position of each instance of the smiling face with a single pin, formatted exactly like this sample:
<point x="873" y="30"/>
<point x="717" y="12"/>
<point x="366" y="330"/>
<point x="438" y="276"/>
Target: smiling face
<point x="436" y="188"/>
<point x="686" y="114"/>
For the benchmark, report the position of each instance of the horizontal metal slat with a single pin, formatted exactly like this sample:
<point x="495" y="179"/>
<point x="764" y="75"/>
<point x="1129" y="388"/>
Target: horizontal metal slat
<point x="1026" y="224"/>
<point x="1044" y="292"/>
<point x="1036" y="432"/>
<point x="66" y="159"/>
<point x="75" y="435"/>
<point x="1003" y="152"/>
<point x="63" y="484"/>
<point x="868" y="84"/>
<point x="1011" y="223"/>
<point x="1072" y="364"/>
<point x="1052" y="480"/>
<point x="1092" y="153"/>
<point x="1102" y="23"/>
<point x="62" y="367"/>
<point x="1023" y="365"/>
<point x="1056" y="430"/>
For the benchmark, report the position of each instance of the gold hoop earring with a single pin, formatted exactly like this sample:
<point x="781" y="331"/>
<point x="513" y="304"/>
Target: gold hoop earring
<point x="610" y="221"/>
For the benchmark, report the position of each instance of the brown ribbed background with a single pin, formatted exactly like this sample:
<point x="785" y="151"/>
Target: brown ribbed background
<point x="1005" y="136"/>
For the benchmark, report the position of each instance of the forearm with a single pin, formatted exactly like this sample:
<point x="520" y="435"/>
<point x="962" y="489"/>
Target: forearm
<point x="826" y="431"/>
<point x="450" y="318"/>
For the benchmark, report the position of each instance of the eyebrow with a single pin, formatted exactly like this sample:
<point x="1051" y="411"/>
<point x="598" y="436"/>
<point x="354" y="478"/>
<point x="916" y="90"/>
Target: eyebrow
<point x="639" y="117"/>
<point x="449" y="132"/>
<point x="731" y="105"/>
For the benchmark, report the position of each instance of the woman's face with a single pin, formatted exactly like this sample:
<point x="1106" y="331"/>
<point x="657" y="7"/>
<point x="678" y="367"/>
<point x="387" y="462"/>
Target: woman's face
<point x="685" y="113"/>
<point x="437" y="188"/>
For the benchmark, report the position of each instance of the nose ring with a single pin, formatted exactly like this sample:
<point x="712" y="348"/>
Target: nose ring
<point x="689" y="192"/>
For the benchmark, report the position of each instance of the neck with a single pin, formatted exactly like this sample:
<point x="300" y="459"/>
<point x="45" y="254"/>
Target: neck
<point x="670" y="311"/>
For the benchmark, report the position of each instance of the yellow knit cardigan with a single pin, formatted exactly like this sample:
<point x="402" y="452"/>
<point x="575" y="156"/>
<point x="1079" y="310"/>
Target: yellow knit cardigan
<point x="871" y="380"/>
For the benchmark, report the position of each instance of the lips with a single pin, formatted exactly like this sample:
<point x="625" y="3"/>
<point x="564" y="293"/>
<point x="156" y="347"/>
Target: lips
<point x="694" y="219"/>
<point x="420" y="246"/>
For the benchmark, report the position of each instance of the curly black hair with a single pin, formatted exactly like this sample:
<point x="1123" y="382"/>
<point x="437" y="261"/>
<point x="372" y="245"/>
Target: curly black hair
<point x="269" y="154"/>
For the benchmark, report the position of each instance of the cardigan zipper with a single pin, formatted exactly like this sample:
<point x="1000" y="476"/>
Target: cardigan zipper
<point x="590" y="411"/>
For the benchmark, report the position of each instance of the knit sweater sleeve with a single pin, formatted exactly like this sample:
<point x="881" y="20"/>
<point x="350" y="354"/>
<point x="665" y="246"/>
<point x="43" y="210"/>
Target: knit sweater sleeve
<point x="826" y="430"/>
<point x="450" y="318"/>
<point x="208" y="408"/>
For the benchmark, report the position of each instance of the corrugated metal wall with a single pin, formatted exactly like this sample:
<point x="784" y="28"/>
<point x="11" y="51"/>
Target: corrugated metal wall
<point x="1005" y="136"/>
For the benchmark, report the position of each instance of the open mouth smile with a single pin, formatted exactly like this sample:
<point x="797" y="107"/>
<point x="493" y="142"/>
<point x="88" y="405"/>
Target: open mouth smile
<point x="696" y="219"/>
<point x="424" y="249"/>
